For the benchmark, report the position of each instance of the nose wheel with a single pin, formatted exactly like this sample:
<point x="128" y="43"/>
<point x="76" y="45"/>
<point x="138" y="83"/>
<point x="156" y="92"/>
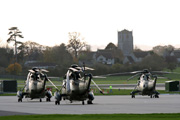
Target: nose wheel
<point x="82" y="102"/>
<point x="57" y="102"/>
<point x="133" y="96"/>
<point x="156" y="96"/>
<point x="89" y="102"/>
<point x="48" y="100"/>
<point x="19" y="100"/>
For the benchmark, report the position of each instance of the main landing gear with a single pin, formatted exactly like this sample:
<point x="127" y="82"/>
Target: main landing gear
<point x="19" y="100"/>
<point x="133" y="96"/>
<point x="48" y="100"/>
<point x="154" y="96"/>
<point x="89" y="102"/>
<point x="57" y="102"/>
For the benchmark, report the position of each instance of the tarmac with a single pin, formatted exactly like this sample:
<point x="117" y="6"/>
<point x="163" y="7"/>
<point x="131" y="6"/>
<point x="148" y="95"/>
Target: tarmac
<point x="101" y="105"/>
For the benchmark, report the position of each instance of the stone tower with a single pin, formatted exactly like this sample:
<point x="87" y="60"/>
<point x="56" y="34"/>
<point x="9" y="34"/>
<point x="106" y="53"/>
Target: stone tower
<point x="125" y="42"/>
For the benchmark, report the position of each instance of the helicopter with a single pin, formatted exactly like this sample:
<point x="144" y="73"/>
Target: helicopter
<point x="35" y="86"/>
<point x="76" y="86"/>
<point x="146" y="84"/>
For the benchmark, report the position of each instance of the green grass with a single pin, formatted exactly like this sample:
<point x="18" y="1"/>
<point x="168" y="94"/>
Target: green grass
<point x="8" y="94"/>
<point x="118" y="79"/>
<point x="95" y="117"/>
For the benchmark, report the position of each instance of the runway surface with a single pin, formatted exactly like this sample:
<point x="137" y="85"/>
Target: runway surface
<point x="102" y="105"/>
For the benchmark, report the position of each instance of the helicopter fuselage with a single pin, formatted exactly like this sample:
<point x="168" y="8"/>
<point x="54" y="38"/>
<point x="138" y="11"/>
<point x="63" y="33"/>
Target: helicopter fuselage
<point x="146" y="85"/>
<point x="78" y="90"/>
<point x="36" y="89"/>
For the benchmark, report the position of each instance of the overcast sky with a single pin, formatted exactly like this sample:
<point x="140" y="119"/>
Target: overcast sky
<point x="47" y="22"/>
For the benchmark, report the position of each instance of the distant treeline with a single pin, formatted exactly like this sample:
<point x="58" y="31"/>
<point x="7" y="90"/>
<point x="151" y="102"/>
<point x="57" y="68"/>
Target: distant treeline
<point x="62" y="58"/>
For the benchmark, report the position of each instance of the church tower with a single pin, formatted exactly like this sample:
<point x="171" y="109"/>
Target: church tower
<point x="125" y="42"/>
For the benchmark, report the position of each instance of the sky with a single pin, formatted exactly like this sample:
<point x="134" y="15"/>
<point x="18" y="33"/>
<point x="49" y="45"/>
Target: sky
<point x="47" y="22"/>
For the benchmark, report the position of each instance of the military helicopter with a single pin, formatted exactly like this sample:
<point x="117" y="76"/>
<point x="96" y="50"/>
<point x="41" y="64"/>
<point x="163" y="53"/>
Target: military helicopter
<point x="146" y="84"/>
<point x="76" y="86"/>
<point x="35" y="86"/>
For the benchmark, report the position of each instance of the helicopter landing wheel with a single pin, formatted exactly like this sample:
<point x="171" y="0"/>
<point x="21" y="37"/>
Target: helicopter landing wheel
<point x="151" y="96"/>
<point x="48" y="100"/>
<point x="57" y="102"/>
<point x="89" y="102"/>
<point x="19" y="100"/>
<point x="156" y="96"/>
<point x="133" y="96"/>
<point x="82" y="102"/>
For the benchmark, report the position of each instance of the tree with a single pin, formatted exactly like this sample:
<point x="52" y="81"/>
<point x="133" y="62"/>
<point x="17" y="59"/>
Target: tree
<point x="171" y="62"/>
<point x="163" y="50"/>
<point x="11" y="68"/>
<point x="57" y="54"/>
<point x="14" y="32"/>
<point x="60" y="56"/>
<point x="75" y="43"/>
<point x="31" y="51"/>
<point x="153" y="62"/>
<point x="5" y="56"/>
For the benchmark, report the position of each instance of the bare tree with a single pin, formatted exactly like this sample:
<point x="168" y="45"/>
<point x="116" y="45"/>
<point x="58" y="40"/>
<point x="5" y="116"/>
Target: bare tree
<point x="75" y="43"/>
<point x="14" y="32"/>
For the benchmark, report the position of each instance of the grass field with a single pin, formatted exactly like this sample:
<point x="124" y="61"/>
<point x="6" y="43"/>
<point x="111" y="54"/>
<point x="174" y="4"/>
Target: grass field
<point x="114" y="80"/>
<point x="117" y="79"/>
<point x="95" y="117"/>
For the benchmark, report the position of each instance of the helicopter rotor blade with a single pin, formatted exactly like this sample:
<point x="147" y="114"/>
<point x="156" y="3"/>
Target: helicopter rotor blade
<point x="163" y="72"/>
<point x="44" y="70"/>
<point x="115" y="74"/>
<point x="164" y="78"/>
<point x="32" y="71"/>
<point x="53" y="84"/>
<point x="101" y="77"/>
<point x="97" y="86"/>
<point x="88" y="68"/>
<point x="73" y="69"/>
<point x="133" y="76"/>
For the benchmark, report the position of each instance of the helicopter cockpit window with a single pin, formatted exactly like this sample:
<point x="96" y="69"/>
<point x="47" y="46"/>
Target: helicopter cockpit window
<point x="78" y="75"/>
<point x="42" y="76"/>
<point x="147" y="76"/>
<point x="35" y="76"/>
